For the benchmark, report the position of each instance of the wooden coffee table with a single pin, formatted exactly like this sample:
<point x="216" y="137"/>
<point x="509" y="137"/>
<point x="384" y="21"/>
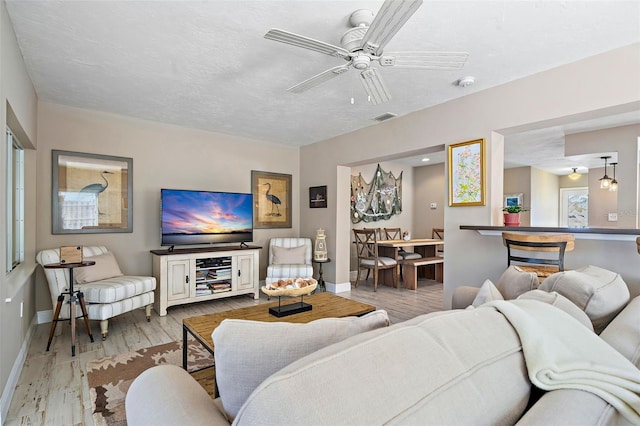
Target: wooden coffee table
<point x="325" y="305"/>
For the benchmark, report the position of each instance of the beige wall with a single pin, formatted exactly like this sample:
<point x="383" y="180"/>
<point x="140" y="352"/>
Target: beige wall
<point x="164" y="156"/>
<point x="623" y="141"/>
<point x="517" y="180"/>
<point x="429" y="187"/>
<point x="545" y="198"/>
<point x="552" y="97"/>
<point x="18" y="110"/>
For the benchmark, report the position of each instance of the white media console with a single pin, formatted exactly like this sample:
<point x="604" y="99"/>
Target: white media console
<point x="197" y="274"/>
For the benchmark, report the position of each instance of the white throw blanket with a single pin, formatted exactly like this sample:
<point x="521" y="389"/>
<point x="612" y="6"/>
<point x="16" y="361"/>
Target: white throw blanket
<point x="561" y="353"/>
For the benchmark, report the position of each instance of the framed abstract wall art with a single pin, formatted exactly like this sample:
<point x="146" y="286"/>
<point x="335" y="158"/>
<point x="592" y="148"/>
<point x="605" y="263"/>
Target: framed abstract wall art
<point x="467" y="174"/>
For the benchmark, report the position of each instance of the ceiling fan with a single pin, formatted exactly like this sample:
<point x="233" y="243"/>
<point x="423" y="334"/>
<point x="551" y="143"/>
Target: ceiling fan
<point x="363" y="45"/>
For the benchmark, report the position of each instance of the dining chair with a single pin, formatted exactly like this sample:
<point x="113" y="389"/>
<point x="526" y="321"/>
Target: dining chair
<point x="549" y="249"/>
<point x="438" y="234"/>
<point x="366" y="242"/>
<point x="396" y="234"/>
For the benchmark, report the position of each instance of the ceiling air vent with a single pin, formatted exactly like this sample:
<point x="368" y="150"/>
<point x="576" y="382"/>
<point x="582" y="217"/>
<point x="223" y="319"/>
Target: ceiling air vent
<point x="385" y="116"/>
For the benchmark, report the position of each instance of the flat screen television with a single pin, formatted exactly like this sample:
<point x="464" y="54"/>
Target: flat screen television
<point x="205" y="217"/>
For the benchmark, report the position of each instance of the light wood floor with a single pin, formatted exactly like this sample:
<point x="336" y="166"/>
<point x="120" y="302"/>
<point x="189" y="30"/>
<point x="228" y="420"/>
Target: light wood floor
<point x="53" y="388"/>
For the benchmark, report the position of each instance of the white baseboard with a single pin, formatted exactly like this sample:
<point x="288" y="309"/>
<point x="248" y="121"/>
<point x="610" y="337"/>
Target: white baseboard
<point x="14" y="374"/>
<point x="44" y="317"/>
<point x="338" y="288"/>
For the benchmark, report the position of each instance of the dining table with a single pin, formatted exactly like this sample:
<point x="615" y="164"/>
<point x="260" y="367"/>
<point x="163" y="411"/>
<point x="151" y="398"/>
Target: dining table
<point x="426" y="247"/>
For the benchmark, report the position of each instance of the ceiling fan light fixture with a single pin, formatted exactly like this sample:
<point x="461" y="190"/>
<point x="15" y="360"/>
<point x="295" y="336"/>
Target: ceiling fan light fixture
<point x="574" y="175"/>
<point x="605" y="181"/>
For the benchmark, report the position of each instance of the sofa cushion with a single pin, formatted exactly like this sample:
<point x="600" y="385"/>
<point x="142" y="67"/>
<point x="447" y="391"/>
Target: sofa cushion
<point x="487" y="293"/>
<point x="623" y="333"/>
<point x="447" y="368"/>
<point x="600" y="293"/>
<point x="285" y="256"/>
<point x="247" y="352"/>
<point x="572" y="407"/>
<point x="105" y="267"/>
<point x="169" y="386"/>
<point x="560" y="302"/>
<point x="515" y="282"/>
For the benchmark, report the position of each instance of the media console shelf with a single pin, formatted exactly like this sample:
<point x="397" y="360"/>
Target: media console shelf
<point x="197" y="274"/>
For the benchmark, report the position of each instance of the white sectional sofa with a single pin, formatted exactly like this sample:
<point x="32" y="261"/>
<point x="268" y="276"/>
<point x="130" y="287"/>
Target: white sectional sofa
<point x="465" y="366"/>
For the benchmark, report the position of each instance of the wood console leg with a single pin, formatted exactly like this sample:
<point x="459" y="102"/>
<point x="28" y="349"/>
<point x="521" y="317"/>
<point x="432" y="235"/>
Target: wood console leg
<point x="54" y="323"/>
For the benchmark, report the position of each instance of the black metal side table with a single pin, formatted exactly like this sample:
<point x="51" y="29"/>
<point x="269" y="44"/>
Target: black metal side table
<point x="74" y="295"/>
<point x="321" y="286"/>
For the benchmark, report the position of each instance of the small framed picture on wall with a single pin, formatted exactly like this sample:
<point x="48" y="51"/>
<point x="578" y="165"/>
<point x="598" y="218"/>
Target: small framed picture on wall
<point x="318" y="197"/>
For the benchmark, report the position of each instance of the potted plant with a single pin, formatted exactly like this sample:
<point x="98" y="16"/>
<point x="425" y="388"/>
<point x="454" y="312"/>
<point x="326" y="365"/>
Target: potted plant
<point x="512" y="215"/>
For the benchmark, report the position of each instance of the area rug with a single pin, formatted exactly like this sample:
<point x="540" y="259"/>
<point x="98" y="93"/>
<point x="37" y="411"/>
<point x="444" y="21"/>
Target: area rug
<point x="110" y="377"/>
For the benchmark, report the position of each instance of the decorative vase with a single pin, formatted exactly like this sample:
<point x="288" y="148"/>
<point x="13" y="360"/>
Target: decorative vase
<point x="512" y="219"/>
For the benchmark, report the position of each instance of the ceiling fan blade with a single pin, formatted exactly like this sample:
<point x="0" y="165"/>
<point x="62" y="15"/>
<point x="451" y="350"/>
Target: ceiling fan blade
<point x="374" y="86"/>
<point x="306" y="43"/>
<point x="390" y="18"/>
<point x="425" y="60"/>
<point x="318" y="79"/>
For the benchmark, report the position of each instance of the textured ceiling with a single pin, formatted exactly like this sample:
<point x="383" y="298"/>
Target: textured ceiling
<point x="206" y="64"/>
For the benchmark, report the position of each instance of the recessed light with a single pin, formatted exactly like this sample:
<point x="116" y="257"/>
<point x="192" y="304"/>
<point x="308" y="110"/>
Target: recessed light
<point x="425" y="159"/>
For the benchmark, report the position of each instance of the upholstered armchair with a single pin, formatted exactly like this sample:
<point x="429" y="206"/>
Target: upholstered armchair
<point x="107" y="292"/>
<point x="289" y="258"/>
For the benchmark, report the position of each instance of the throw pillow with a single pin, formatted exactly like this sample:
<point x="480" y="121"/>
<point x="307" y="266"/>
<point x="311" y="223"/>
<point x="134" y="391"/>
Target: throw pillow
<point x="288" y="256"/>
<point x="487" y="293"/>
<point x="105" y="267"/>
<point x="600" y="293"/>
<point x="247" y="352"/>
<point x="515" y="282"/>
<point x="560" y="302"/>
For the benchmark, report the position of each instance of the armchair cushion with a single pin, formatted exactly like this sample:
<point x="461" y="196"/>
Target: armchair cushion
<point x="285" y="256"/>
<point x="105" y="267"/>
<point x="247" y="352"/>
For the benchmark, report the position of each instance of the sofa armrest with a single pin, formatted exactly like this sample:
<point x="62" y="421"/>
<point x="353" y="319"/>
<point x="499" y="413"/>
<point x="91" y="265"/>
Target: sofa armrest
<point x="571" y="407"/>
<point x="168" y="395"/>
<point x="463" y="297"/>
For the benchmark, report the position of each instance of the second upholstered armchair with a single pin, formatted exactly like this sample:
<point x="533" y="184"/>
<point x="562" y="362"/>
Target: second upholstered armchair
<point x="289" y="258"/>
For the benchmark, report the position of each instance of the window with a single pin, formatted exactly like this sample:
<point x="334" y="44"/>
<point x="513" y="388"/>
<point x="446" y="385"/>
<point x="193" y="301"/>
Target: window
<point x="15" y="202"/>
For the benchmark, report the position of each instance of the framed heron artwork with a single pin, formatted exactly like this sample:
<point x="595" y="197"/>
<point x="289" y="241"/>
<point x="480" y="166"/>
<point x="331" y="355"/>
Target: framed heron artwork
<point x="271" y="199"/>
<point x="91" y="193"/>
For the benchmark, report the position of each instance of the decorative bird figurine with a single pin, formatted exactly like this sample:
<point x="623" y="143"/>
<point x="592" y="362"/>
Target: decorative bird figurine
<point x="275" y="201"/>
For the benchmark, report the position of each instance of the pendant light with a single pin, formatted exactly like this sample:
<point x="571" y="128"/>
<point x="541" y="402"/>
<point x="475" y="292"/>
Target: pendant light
<point x="574" y="175"/>
<point x="614" y="182"/>
<point x="605" y="181"/>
